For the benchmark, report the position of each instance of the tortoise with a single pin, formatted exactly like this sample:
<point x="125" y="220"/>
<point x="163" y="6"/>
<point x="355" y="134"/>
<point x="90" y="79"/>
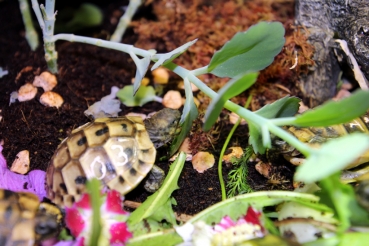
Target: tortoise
<point x="26" y="221"/>
<point x="315" y="136"/>
<point x="119" y="151"/>
<point x="325" y="20"/>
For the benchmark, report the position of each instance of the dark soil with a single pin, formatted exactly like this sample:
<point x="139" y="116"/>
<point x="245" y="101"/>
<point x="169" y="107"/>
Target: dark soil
<point x="86" y="74"/>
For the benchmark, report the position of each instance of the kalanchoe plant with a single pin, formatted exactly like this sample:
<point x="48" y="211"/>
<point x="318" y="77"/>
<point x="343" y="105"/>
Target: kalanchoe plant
<point x="240" y="59"/>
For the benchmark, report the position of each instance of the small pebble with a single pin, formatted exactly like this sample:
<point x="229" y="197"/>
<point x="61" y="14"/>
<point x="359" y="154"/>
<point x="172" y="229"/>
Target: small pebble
<point x="202" y="161"/>
<point x="264" y="169"/>
<point x="160" y="76"/>
<point x="26" y="92"/>
<point x="46" y="80"/>
<point x="145" y="81"/>
<point x="235" y="152"/>
<point x="51" y="99"/>
<point x="21" y="163"/>
<point x="233" y="118"/>
<point x="34" y="181"/>
<point x="172" y="99"/>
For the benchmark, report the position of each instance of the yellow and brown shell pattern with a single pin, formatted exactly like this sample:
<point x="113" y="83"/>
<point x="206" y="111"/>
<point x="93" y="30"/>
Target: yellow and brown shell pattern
<point x="26" y="221"/>
<point x="118" y="151"/>
<point x="315" y="136"/>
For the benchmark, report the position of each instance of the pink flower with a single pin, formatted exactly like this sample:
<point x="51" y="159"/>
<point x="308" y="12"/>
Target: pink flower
<point x="119" y="233"/>
<point x="227" y="232"/>
<point x="113" y="217"/>
<point x="74" y="221"/>
<point x="114" y="203"/>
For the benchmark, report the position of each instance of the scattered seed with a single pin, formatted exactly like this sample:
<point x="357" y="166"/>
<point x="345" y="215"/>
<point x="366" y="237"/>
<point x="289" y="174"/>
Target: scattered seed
<point x="21" y="162"/>
<point x="51" y="99"/>
<point x="160" y="76"/>
<point x="46" y="80"/>
<point x="172" y="99"/>
<point x="202" y="161"/>
<point x="26" y="92"/>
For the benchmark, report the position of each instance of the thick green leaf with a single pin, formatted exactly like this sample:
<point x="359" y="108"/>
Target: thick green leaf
<point x="162" y="213"/>
<point x="234" y="87"/>
<point x="142" y="66"/>
<point x="162" y="238"/>
<point x="144" y="95"/>
<point x="70" y="20"/>
<point x="236" y="206"/>
<point x="256" y="139"/>
<point x="354" y="238"/>
<point x="333" y="113"/>
<point x="332" y="157"/>
<point x="162" y="59"/>
<point x="252" y="50"/>
<point x="189" y="114"/>
<point x="154" y="202"/>
<point x="341" y="197"/>
<point x="284" y="107"/>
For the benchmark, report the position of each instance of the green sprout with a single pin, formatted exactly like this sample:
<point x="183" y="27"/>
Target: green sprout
<point x="31" y="34"/>
<point x="125" y="20"/>
<point x="237" y="178"/>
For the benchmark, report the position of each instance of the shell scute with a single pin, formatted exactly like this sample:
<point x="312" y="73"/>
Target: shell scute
<point x="77" y="144"/>
<point x="62" y="156"/>
<point x="96" y="134"/>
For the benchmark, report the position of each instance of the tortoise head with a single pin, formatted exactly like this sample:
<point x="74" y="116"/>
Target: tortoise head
<point x="163" y="126"/>
<point x="48" y="221"/>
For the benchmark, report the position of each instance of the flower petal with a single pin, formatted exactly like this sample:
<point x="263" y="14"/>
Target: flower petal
<point x="119" y="233"/>
<point x="74" y="221"/>
<point x="114" y="202"/>
<point x="84" y="202"/>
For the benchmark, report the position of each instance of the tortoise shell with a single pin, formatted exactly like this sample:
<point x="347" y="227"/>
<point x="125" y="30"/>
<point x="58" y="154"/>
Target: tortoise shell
<point x="117" y="151"/>
<point x="26" y="221"/>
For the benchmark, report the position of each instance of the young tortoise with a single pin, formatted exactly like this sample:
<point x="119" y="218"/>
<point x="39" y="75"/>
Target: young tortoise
<point x="118" y="151"/>
<point x="26" y="221"/>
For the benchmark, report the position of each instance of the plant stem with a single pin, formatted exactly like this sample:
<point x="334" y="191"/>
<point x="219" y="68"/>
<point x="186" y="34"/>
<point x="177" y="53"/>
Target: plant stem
<point x="46" y="19"/>
<point x="31" y="34"/>
<point x="200" y="71"/>
<point x="225" y="145"/>
<point x="283" y="121"/>
<point x="102" y="43"/>
<point x="242" y="112"/>
<point x="125" y="20"/>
